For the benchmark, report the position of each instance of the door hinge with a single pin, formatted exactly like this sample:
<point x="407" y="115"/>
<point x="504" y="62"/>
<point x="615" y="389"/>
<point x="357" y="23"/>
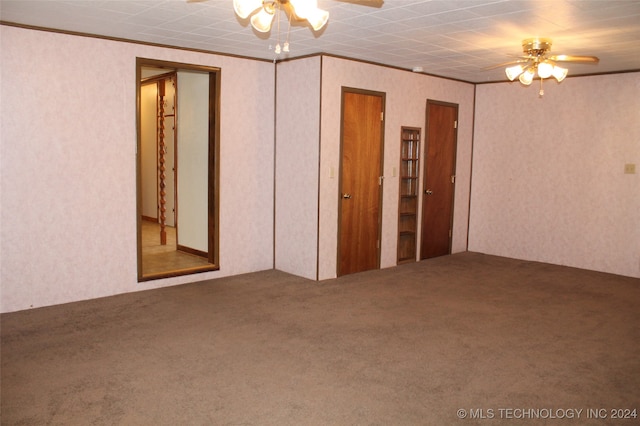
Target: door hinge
<point x="455" y="124"/>
<point x="453" y="178"/>
<point x="381" y="115"/>
<point x="377" y="243"/>
<point x="450" y="233"/>
<point x="380" y="180"/>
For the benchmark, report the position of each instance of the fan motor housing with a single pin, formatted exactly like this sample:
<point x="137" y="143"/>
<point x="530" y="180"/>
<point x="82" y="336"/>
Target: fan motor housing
<point x="536" y="46"/>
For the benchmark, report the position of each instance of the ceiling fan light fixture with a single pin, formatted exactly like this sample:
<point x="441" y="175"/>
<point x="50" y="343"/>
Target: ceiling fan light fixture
<point x="318" y="18"/>
<point x="538" y="60"/>
<point x="262" y="20"/>
<point x="303" y="8"/>
<point x="244" y="8"/>
<point x="308" y="9"/>
<point x="263" y="12"/>
<point x="514" y="71"/>
<point x="559" y="73"/>
<point x="527" y="77"/>
<point x="545" y="69"/>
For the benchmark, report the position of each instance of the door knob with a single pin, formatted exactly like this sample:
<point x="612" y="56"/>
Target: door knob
<point x="346" y="196"/>
<point x="428" y="192"/>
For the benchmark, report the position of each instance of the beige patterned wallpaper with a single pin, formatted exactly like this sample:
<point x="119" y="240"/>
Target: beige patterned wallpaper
<point x="68" y="171"/>
<point x="297" y="162"/>
<point x="307" y="196"/>
<point x="548" y="173"/>
<point x="548" y="181"/>
<point x="406" y="100"/>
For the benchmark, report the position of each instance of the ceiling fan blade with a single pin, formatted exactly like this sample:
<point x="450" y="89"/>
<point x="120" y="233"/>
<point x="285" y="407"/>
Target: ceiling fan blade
<point x="370" y="3"/>
<point x="520" y="61"/>
<point x="574" y="58"/>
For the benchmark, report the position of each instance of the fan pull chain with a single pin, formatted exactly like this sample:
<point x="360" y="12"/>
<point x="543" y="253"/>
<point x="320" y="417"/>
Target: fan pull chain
<point x="278" y="49"/>
<point x="285" y="47"/>
<point x="541" y="92"/>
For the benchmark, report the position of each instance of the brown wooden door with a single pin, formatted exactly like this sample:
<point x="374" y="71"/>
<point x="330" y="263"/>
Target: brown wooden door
<point x="439" y="179"/>
<point x="360" y="189"/>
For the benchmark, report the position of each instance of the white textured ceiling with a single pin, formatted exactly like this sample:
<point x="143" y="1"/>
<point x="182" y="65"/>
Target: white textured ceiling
<point x="452" y="38"/>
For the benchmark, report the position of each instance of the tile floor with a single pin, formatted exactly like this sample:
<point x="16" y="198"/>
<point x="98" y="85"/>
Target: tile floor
<point x="158" y="258"/>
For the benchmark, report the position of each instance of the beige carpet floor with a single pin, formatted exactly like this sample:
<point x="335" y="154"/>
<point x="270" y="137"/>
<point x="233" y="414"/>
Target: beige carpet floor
<point x="464" y="339"/>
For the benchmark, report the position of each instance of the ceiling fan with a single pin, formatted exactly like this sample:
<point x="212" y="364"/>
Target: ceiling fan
<point x="537" y="59"/>
<point x="262" y="12"/>
<point x="300" y="10"/>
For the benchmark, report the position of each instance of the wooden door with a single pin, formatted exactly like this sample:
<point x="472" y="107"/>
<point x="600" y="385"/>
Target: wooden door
<point x="439" y="179"/>
<point x="360" y="182"/>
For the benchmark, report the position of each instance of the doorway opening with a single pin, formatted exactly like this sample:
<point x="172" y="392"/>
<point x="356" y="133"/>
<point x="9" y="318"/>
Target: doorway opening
<point x="177" y="168"/>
